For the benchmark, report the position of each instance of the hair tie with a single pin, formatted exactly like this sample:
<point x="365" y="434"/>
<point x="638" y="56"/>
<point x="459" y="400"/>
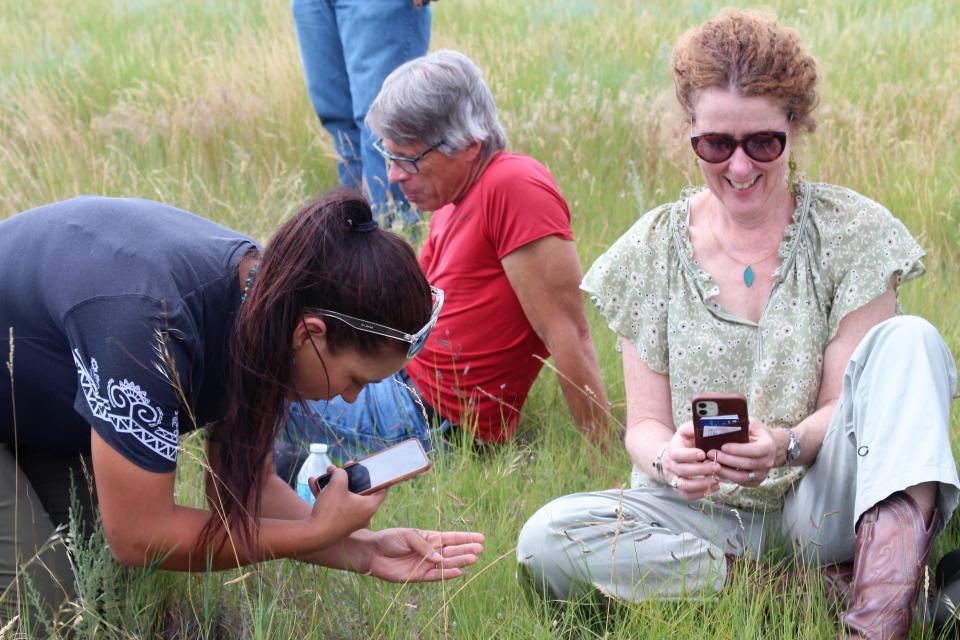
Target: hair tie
<point x="362" y="227"/>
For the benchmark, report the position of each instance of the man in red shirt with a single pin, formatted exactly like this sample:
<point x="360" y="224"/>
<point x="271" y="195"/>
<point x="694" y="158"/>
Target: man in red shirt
<point x="500" y="247"/>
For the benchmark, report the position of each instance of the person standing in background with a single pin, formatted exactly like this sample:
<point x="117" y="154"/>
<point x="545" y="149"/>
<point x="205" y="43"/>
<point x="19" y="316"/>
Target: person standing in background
<point x="348" y="47"/>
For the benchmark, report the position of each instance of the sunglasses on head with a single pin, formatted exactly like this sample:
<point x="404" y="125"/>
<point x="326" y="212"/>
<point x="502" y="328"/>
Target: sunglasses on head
<point x="416" y="340"/>
<point x="760" y="146"/>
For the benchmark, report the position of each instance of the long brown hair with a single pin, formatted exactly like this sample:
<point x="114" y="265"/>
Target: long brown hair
<point x="324" y="257"/>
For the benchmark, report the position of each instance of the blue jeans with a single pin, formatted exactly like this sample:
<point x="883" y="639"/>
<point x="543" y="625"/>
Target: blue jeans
<point x="384" y="413"/>
<point x="348" y="48"/>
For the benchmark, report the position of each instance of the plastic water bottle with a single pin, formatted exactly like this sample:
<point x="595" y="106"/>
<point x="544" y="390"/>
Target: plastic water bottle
<point x="314" y="466"/>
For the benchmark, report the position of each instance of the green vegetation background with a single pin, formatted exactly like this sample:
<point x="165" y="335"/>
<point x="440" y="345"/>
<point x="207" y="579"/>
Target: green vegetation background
<point x="202" y="105"/>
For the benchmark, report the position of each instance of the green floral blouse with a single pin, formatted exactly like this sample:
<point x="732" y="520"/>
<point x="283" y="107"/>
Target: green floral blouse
<point x="839" y="253"/>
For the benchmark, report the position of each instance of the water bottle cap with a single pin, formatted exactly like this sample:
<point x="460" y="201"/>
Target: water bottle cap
<point x="318" y="447"/>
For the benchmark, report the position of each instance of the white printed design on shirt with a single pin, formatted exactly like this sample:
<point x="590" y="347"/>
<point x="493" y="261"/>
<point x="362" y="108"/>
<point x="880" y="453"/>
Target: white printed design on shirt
<point x="128" y="409"/>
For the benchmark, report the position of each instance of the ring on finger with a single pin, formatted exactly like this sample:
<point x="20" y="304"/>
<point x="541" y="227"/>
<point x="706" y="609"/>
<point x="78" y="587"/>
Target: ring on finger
<point x="675" y="483"/>
<point x="751" y="475"/>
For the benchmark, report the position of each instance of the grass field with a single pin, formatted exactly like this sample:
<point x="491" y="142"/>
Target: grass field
<point x="202" y="105"/>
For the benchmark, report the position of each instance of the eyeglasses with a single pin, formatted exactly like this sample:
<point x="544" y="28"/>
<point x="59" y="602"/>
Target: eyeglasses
<point x="761" y="146"/>
<point x="416" y="340"/>
<point x="408" y="165"/>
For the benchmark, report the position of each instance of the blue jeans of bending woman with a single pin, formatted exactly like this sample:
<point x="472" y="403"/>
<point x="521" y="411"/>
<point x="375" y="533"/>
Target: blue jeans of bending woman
<point x="889" y="431"/>
<point x="348" y="48"/>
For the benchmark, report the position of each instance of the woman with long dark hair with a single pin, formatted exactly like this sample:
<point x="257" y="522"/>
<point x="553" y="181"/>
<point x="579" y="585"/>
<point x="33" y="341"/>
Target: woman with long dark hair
<point x="128" y="322"/>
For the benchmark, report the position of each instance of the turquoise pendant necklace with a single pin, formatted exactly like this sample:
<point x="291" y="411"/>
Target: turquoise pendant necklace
<point x="748" y="275"/>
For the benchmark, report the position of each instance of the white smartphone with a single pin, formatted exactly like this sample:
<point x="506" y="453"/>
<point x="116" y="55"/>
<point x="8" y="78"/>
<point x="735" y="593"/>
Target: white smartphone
<point x="384" y="468"/>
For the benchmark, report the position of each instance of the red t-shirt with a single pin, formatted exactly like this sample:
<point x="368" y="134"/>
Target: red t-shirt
<point x="479" y="361"/>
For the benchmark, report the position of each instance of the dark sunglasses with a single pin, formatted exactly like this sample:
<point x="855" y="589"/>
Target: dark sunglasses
<point x="760" y="146"/>
<point x="416" y="340"/>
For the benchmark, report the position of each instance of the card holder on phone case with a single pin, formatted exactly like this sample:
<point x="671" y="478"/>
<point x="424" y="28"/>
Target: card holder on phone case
<point x="719" y="418"/>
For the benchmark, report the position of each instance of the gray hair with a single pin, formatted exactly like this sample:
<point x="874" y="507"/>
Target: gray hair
<point x="439" y="97"/>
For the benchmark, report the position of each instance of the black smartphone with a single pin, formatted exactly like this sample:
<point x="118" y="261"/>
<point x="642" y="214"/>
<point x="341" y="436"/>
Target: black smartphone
<point x="384" y="468"/>
<point x="719" y="418"/>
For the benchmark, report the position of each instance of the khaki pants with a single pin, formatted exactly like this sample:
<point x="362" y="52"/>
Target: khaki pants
<point x="890" y="431"/>
<point x="34" y="501"/>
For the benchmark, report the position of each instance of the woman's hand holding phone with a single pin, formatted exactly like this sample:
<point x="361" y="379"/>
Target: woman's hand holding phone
<point x="686" y="468"/>
<point x="748" y="463"/>
<point x="340" y="511"/>
<point x="743" y="447"/>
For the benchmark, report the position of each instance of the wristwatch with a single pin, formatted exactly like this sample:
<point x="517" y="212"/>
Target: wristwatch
<point x="793" y="446"/>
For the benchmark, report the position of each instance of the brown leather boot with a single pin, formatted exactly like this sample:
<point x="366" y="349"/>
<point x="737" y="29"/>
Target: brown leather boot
<point x="888" y="562"/>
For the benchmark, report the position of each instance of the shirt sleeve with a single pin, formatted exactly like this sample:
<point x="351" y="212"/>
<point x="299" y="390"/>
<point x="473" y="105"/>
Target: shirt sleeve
<point x="523" y="207"/>
<point x="133" y="359"/>
<point x="863" y="247"/>
<point x="629" y="284"/>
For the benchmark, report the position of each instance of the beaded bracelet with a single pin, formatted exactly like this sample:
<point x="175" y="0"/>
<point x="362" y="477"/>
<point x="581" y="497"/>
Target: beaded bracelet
<point x="658" y="463"/>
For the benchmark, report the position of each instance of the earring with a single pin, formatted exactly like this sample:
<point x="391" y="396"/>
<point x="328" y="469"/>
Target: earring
<point x="792" y="166"/>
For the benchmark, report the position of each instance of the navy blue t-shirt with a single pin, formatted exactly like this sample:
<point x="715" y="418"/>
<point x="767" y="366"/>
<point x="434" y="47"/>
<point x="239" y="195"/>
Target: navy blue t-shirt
<point x="121" y="314"/>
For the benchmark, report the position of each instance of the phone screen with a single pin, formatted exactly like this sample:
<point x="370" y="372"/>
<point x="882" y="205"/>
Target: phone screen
<point x="383" y="467"/>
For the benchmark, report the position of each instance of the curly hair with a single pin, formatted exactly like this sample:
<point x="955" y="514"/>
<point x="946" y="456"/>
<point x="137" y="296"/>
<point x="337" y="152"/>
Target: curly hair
<point x="751" y="54"/>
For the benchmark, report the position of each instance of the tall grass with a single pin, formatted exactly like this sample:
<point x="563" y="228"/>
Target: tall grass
<point x="202" y="105"/>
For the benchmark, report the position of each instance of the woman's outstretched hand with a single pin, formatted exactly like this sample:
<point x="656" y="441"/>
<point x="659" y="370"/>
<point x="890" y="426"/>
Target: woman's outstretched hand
<point x="413" y="555"/>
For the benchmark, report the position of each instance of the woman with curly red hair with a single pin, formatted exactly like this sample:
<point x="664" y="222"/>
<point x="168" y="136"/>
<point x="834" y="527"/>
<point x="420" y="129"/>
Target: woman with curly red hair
<point x="785" y="291"/>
